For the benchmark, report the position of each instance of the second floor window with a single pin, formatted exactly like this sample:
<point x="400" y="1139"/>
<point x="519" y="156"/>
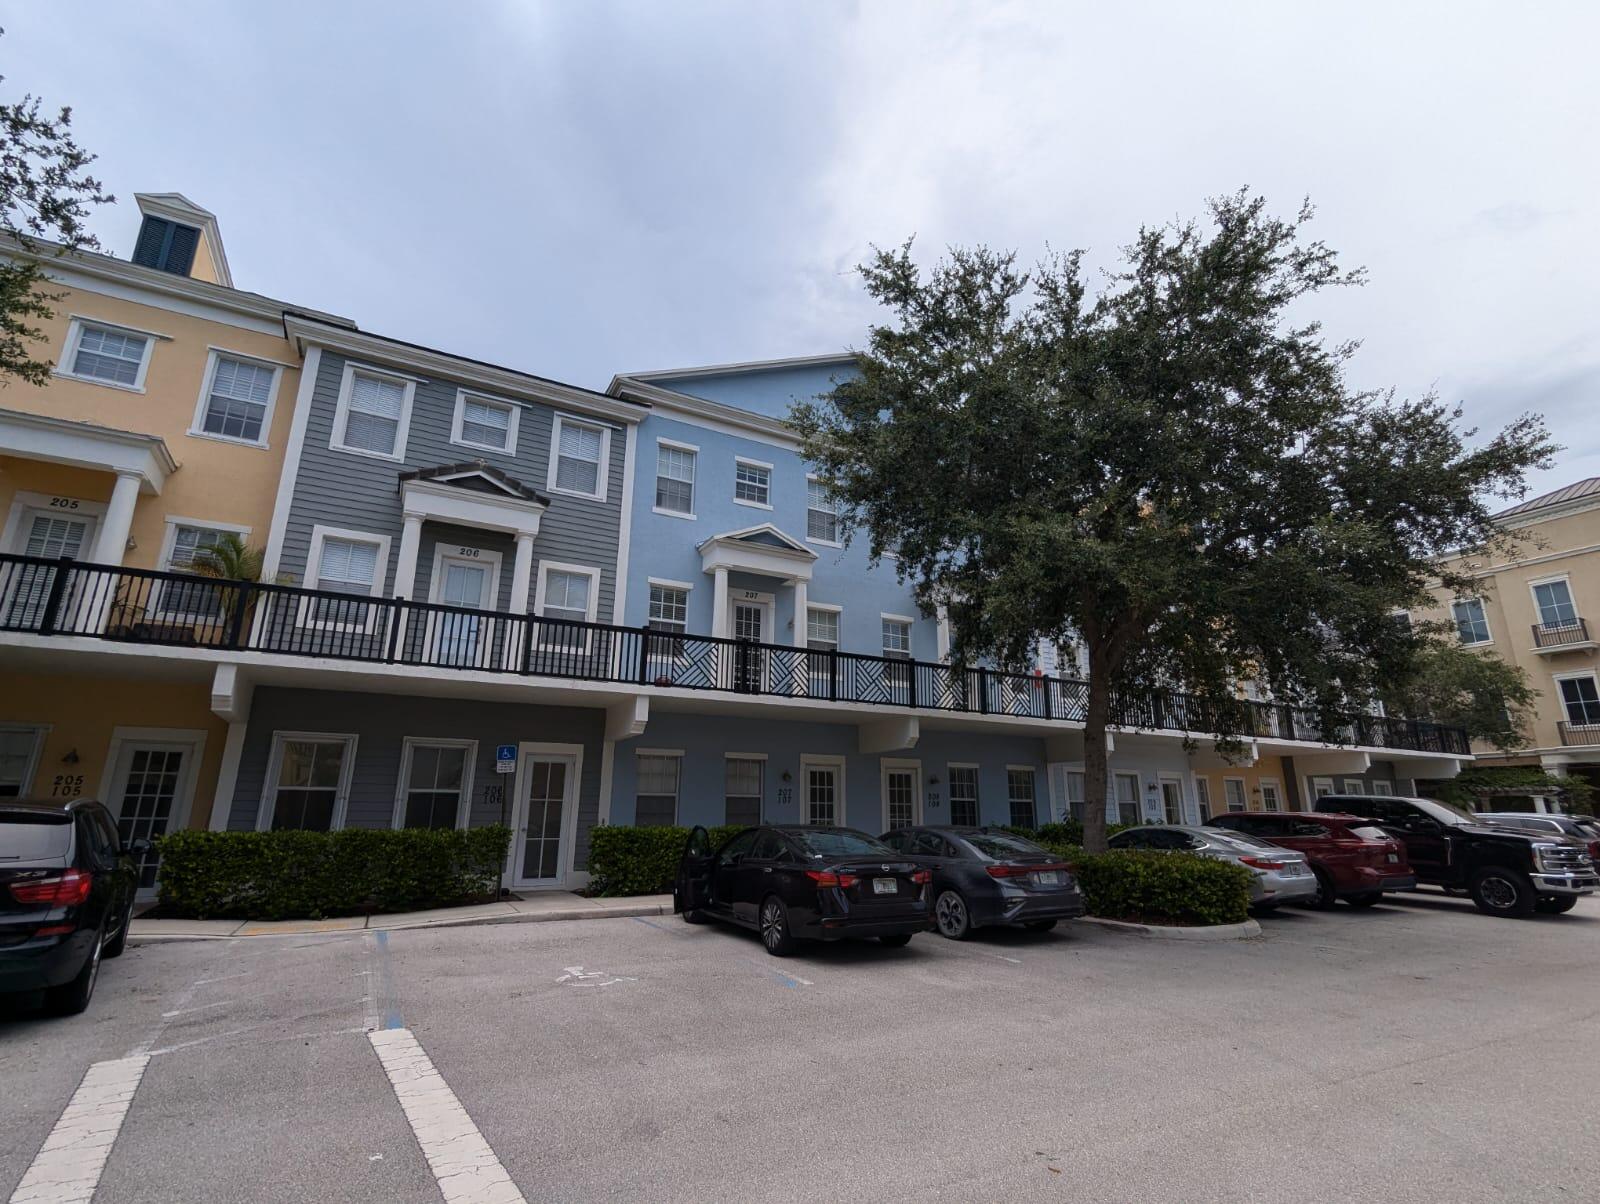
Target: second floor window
<point x="897" y="639"/>
<point x="567" y="595"/>
<point x="580" y="452"/>
<point x="674" y="479"/>
<point x="198" y="599"/>
<point x="1472" y="625"/>
<point x="669" y="609"/>
<point x="237" y="400"/>
<point x="822" y="629"/>
<point x="822" y="513"/>
<point x="752" y="483"/>
<point x="1555" y="604"/>
<point x="484" y="422"/>
<point x="1581" y="700"/>
<point x="114" y="357"/>
<point x="347" y="566"/>
<point x="373" y="413"/>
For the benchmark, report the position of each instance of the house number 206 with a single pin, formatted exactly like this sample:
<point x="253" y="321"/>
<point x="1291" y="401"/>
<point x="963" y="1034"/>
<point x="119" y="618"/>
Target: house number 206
<point x="469" y="553"/>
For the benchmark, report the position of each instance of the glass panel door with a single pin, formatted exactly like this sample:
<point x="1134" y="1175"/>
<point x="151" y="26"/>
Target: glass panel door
<point x="749" y="624"/>
<point x="1172" y="801"/>
<point x="146" y="791"/>
<point x="822" y="795"/>
<point x="539" y="836"/>
<point x="900" y="795"/>
<point x="461" y="583"/>
<point x="50" y="536"/>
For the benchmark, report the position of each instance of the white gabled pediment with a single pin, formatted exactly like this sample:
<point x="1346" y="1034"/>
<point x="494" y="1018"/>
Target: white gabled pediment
<point x="764" y="550"/>
<point x="764" y="535"/>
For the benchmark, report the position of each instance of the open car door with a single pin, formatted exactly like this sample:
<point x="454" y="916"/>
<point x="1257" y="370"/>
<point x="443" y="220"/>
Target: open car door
<point x="692" y="885"/>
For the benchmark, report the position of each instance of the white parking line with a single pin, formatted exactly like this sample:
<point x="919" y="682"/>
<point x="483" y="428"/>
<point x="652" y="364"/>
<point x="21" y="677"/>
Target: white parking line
<point x="466" y="1168"/>
<point x="68" y="1166"/>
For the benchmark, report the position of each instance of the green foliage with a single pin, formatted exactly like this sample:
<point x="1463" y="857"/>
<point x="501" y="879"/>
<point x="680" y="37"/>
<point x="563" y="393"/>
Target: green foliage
<point x="45" y="192"/>
<point x="1448" y="683"/>
<point x="231" y="559"/>
<point x="300" y="875"/>
<point x="640" y="861"/>
<point x="1173" y="472"/>
<point x="1481" y="787"/>
<point x="1161" y="888"/>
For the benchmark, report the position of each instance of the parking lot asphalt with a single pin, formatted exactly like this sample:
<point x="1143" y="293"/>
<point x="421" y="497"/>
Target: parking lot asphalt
<point x="1416" y="1051"/>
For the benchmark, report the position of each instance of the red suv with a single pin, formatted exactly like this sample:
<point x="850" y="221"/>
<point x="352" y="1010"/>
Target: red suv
<point x="1353" y="859"/>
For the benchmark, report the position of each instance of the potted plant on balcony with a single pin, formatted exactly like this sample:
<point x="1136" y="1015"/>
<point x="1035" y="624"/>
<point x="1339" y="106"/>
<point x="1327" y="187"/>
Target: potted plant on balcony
<point x="231" y="559"/>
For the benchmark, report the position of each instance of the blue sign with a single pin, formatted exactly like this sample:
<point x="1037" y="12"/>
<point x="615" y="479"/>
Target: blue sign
<point x="505" y="758"/>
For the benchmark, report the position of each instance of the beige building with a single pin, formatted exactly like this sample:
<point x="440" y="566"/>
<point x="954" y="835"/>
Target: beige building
<point x="1539" y="608"/>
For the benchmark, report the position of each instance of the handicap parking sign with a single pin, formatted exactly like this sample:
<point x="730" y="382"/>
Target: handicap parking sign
<point x="505" y="758"/>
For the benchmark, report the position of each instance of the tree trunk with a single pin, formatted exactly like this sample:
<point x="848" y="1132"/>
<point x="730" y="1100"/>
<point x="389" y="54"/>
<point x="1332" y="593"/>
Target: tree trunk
<point x="1095" y="766"/>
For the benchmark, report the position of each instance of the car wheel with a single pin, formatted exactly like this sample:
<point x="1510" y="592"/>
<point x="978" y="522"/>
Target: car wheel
<point x="116" y="944"/>
<point x="1366" y="900"/>
<point x="951" y="915"/>
<point x="1555" y="905"/>
<point x="896" y="940"/>
<point x="775" y="934"/>
<point x="1326" y="895"/>
<point x="72" y="997"/>
<point x="1500" y="892"/>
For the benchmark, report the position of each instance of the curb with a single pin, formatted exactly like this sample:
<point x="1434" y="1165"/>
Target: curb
<point x="376" y="924"/>
<point x="1171" y="932"/>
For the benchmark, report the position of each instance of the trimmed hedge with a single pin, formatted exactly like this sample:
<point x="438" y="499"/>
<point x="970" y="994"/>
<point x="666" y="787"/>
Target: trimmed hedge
<point x="308" y="875"/>
<point x="1159" y="888"/>
<point x="641" y="861"/>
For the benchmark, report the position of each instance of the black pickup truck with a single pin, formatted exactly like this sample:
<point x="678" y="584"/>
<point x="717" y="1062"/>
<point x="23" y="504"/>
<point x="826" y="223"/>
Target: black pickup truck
<point x="1507" y="873"/>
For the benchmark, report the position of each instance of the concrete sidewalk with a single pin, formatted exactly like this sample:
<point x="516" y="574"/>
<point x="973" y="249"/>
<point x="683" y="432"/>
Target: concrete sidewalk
<point x="554" y="905"/>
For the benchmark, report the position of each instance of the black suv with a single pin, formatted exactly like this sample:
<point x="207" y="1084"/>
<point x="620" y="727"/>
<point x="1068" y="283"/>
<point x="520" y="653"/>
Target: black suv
<point x="1507" y="873"/>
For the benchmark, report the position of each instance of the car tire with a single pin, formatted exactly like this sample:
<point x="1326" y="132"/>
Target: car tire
<point x="1556" y="905"/>
<point x="774" y="925"/>
<point x="951" y="916"/>
<point x="1366" y="900"/>
<point x="73" y="997"/>
<point x="1039" y="925"/>
<point x="1264" y="909"/>
<point x="896" y="940"/>
<point x="1326" y="895"/>
<point x="118" y="943"/>
<point x="1502" y="892"/>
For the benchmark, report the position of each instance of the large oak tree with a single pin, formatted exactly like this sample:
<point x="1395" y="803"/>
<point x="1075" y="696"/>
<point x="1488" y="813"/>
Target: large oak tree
<point x="1171" y="468"/>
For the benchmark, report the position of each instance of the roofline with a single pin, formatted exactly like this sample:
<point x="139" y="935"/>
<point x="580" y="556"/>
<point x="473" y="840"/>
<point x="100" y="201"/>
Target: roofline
<point x="1518" y="517"/>
<point x="798" y="361"/>
<point x="699" y="407"/>
<point x="113" y="434"/>
<point x="304" y="328"/>
<point x="108" y="267"/>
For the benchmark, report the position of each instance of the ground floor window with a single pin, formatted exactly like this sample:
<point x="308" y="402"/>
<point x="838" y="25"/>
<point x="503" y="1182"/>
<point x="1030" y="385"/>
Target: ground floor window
<point x="1321" y="787"/>
<point x="1075" y="793"/>
<point x="656" y="805"/>
<point x="436" y="778"/>
<point x="1383" y="788"/>
<point x="1202" y="794"/>
<point x="1020" y="793"/>
<point x="964" y="795"/>
<point x="1233" y="791"/>
<point x="1127" y="788"/>
<point x="19" y="756"/>
<point x="308" y="776"/>
<point x="1172" y="800"/>
<point x="742" y="793"/>
<point x="1271" y="798"/>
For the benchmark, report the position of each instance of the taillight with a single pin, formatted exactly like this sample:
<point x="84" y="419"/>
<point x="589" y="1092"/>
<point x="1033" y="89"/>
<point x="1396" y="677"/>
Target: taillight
<point x="1021" y="871"/>
<point x="823" y="877"/>
<point x="922" y="877"/>
<point x="1262" y="863"/>
<point x="65" y="890"/>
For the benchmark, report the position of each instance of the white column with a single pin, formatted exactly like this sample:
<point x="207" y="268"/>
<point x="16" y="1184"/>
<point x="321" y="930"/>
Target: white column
<point x="799" y="614"/>
<point x="521" y="589"/>
<point x="719" y="602"/>
<point x="228" y="775"/>
<point x="112" y="542"/>
<point x="405" y="572"/>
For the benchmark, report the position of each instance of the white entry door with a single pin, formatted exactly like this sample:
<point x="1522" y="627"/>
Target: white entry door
<point x="51" y="536"/>
<point x="460" y="582"/>
<point x="546" y="814"/>
<point x="752" y="621"/>
<point x="151" y="788"/>
<point x="901" y="783"/>
<point x="1172" y="801"/>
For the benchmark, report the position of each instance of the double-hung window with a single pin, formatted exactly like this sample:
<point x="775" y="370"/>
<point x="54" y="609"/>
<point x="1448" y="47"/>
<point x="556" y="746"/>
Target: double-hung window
<point x="964" y="795"/>
<point x="669" y="612"/>
<point x="1202" y="795"/>
<point x="372" y="414"/>
<point x="581" y="449"/>
<point x="742" y="791"/>
<point x="752" y="483"/>
<point x="675" y="479"/>
<point x="1127" y="797"/>
<point x="1581" y="700"/>
<point x="1554" y="599"/>
<point x="656" y="797"/>
<point x="238" y="398"/>
<point x="1472" y="625"/>
<point x="436" y="778"/>
<point x="566" y="592"/>
<point x="485" y="422"/>
<point x="822" y="513"/>
<point x="897" y="647"/>
<point x="1271" y="799"/>
<point x="109" y="355"/>
<point x="309" y="777"/>
<point x="822" y="636"/>
<point x="190" y="544"/>
<point x="1020" y="793"/>
<point x="348" y="564"/>
<point x="1233" y="791"/>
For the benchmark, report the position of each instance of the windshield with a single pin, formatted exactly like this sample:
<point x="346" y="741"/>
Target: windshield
<point x="1446" y="813"/>
<point x="1000" y="845"/>
<point x="841" y="842"/>
<point x="1240" y="843"/>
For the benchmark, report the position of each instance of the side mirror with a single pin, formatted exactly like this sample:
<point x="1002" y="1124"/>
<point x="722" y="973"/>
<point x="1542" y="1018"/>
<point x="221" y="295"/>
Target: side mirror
<point x="140" y="846"/>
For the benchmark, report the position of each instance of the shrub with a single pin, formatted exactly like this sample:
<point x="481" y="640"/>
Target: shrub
<point x="640" y="861"/>
<point x="1163" y="888"/>
<point x="298" y="875"/>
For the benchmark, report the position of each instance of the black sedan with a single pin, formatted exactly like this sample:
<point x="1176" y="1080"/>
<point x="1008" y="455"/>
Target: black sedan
<point x="985" y="876"/>
<point x="794" y="883"/>
<point x="67" y="885"/>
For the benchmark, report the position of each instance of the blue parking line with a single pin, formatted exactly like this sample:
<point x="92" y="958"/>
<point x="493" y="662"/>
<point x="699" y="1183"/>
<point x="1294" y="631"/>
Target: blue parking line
<point x="391" y="1001"/>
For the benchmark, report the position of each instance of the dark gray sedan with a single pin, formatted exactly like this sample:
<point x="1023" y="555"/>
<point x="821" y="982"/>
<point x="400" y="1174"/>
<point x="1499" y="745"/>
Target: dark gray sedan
<point x="986" y="876"/>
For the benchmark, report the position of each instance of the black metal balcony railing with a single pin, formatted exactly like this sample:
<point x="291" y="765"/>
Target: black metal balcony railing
<point x="1554" y="635"/>
<point x="1578" y="733"/>
<point x="69" y="598"/>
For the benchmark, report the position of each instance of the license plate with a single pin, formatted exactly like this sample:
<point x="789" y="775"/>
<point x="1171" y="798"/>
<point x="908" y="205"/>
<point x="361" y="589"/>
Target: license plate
<point x="1293" y="871"/>
<point x="1048" y="878"/>
<point x="886" y="886"/>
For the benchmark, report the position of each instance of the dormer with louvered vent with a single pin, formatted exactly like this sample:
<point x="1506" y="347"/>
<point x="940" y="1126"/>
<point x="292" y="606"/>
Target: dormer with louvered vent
<point x="178" y="236"/>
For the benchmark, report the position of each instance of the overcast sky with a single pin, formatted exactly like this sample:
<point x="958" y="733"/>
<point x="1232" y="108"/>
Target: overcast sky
<point x="579" y="189"/>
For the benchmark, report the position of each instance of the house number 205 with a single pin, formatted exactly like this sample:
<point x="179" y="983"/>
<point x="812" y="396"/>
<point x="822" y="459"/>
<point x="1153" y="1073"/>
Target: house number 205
<point x="64" y="503"/>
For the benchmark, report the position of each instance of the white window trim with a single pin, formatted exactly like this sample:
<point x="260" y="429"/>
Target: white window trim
<point x="749" y="463"/>
<point x="1483" y="605"/>
<point x="313" y="571"/>
<point x="1277" y="788"/>
<point x="513" y="422"/>
<point x="69" y="353"/>
<point x="1033" y="772"/>
<point x="694" y="485"/>
<point x="169" y="543"/>
<point x="668" y="583"/>
<point x="1312" y="781"/>
<point x="885" y="765"/>
<point x="585" y="570"/>
<point x="197" y="425"/>
<point x="1244" y="795"/>
<point x="1561" y="702"/>
<point x="821" y="761"/>
<point x="1200" y="783"/>
<point x="825" y="543"/>
<point x="30" y="769"/>
<point x="911" y="633"/>
<point x="269" y="789"/>
<point x="603" y="475"/>
<point x="487" y="557"/>
<point x="1355" y="786"/>
<point x="341" y="413"/>
<point x="677" y="794"/>
<point x="1551" y="580"/>
<point x="402" y="786"/>
<point x="838" y="645"/>
<point x="760" y="796"/>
